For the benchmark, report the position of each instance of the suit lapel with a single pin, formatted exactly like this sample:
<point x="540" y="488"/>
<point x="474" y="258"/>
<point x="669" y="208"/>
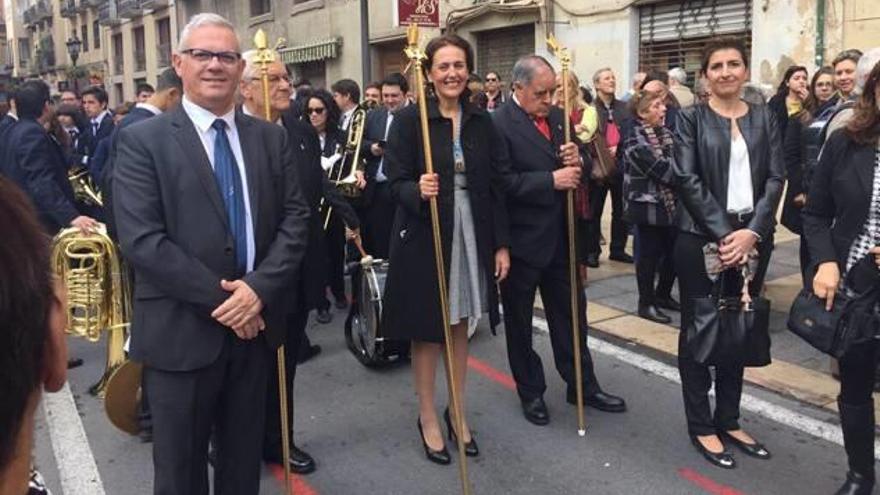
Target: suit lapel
<point x="527" y="128"/>
<point x="191" y="144"/>
<point x="254" y="157"/>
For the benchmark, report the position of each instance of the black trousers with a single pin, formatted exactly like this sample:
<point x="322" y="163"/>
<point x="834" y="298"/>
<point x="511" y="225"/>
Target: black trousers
<point x="857" y="374"/>
<point x="228" y="397"/>
<point x="806" y="267"/>
<point x="655" y="246"/>
<point x="696" y="380"/>
<point x="619" y="227"/>
<point x="335" y="241"/>
<point x="518" y="297"/>
<point x="296" y="340"/>
<point x="380" y="217"/>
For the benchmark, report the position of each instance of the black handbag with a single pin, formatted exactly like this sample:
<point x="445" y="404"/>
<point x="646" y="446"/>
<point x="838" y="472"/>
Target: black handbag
<point x="851" y="320"/>
<point x="727" y="332"/>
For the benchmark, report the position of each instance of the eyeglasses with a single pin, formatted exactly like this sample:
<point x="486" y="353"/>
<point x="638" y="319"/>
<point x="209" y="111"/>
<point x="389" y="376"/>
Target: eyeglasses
<point x="205" y="56"/>
<point x="273" y="79"/>
<point x="315" y="110"/>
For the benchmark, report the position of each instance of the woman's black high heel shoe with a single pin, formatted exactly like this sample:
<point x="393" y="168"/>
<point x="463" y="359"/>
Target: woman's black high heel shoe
<point x="470" y="448"/>
<point x="722" y="459"/>
<point x="756" y="450"/>
<point x="436" y="456"/>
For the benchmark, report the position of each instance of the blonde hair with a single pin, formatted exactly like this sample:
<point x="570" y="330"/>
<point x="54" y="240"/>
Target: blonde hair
<point x="643" y="100"/>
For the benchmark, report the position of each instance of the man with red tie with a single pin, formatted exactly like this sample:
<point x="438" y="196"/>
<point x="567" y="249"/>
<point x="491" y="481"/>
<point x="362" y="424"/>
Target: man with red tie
<point x="543" y="169"/>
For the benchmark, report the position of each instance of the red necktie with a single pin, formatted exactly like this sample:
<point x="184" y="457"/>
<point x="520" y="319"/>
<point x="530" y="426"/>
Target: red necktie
<point x="543" y="126"/>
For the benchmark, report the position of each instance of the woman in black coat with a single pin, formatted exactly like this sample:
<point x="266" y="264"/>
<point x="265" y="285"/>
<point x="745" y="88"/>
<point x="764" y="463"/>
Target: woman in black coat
<point x="842" y="227"/>
<point x="649" y="200"/>
<point x="468" y="157"/>
<point x="729" y="173"/>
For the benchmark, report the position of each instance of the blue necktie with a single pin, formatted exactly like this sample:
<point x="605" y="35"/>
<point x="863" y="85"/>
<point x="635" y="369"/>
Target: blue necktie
<point x="229" y="183"/>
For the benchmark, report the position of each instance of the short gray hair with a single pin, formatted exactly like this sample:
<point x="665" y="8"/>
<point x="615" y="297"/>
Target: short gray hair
<point x="865" y="66"/>
<point x="525" y="68"/>
<point x="203" y="20"/>
<point x="598" y="74"/>
<point x="250" y="66"/>
<point x="679" y="75"/>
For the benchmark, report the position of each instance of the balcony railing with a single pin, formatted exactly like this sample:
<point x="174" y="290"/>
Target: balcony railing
<point x="163" y="54"/>
<point x="68" y="8"/>
<point x="94" y="3"/>
<point x="42" y="11"/>
<point x="129" y="9"/>
<point x="107" y="13"/>
<point x="118" y="66"/>
<point x="153" y="4"/>
<point x="28" y="16"/>
<point x="140" y="60"/>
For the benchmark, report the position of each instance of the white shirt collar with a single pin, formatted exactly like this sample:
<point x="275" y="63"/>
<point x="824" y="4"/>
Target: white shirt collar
<point x="13" y="115"/>
<point x="100" y="117"/>
<point x="246" y="111"/>
<point x="203" y="118"/>
<point x="152" y="108"/>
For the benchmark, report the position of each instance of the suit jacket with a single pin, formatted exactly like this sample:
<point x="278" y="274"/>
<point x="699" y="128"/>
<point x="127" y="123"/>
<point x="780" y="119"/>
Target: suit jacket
<point x="374" y="131"/>
<point x="88" y="145"/>
<point x="702" y="155"/>
<point x="839" y="198"/>
<point x="174" y="232"/>
<point x="36" y="163"/>
<point x="536" y="210"/>
<point x="5" y="124"/>
<point x="134" y="116"/>
<point x="307" y="159"/>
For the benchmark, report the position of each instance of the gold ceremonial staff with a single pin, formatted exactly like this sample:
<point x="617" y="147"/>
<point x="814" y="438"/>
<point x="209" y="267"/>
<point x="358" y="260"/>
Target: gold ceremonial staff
<point x="264" y="57"/>
<point x="565" y="60"/>
<point x="417" y="56"/>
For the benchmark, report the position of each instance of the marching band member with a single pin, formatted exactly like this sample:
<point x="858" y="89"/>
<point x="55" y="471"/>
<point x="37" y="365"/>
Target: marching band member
<point x="469" y="158"/>
<point x="532" y="134"/>
<point x="212" y="218"/>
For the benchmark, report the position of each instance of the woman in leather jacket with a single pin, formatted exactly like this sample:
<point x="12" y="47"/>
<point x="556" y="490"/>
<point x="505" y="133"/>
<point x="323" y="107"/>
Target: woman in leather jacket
<point x="842" y="229"/>
<point x="729" y="175"/>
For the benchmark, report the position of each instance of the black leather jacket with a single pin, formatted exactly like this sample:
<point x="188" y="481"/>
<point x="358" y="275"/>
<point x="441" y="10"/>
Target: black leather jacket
<point x="701" y="170"/>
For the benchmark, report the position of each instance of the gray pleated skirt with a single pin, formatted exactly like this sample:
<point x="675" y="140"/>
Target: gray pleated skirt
<point x="468" y="297"/>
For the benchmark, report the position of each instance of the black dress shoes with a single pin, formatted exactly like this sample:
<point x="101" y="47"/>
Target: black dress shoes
<point x="722" y="459"/>
<point x="535" y="411"/>
<point x="600" y="400"/>
<point x="652" y="313"/>
<point x="856" y="484"/>
<point x="621" y="257"/>
<point x="669" y="303"/>
<point x="436" y="456"/>
<point x="470" y="448"/>
<point x="300" y="461"/>
<point x="755" y="450"/>
<point x="593" y="260"/>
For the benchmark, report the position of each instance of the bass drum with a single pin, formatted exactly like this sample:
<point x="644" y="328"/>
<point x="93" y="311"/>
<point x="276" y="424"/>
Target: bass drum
<point x="363" y="327"/>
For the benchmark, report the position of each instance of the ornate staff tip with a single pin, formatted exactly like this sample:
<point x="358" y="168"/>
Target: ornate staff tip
<point x="260" y="40"/>
<point x="412" y="34"/>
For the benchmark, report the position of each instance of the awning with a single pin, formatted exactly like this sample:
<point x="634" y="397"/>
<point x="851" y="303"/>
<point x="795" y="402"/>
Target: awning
<point x="312" y="51"/>
<point x="483" y="7"/>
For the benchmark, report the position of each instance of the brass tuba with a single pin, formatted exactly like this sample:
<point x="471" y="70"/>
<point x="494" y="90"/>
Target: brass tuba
<point x="98" y="299"/>
<point x="84" y="189"/>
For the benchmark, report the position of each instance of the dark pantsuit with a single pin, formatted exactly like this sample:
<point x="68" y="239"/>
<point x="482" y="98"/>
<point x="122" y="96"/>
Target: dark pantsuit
<point x="619" y="227"/>
<point x="696" y="379"/>
<point x="518" y="297"/>
<point x="296" y="338"/>
<point x="380" y="216"/>
<point x="654" y="245"/>
<point x="189" y="404"/>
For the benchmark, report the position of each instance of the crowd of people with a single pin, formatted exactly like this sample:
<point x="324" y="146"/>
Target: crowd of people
<point x="235" y="232"/>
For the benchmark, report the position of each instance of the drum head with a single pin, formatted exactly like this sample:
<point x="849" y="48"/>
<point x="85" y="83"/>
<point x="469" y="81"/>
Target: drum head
<point x="123" y="397"/>
<point x="362" y="327"/>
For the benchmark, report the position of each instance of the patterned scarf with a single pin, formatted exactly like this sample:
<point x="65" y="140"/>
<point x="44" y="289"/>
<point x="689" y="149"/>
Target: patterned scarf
<point x="661" y="141"/>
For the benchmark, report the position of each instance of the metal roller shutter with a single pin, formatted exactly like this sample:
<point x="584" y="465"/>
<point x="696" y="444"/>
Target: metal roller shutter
<point x="672" y="34"/>
<point x="499" y="49"/>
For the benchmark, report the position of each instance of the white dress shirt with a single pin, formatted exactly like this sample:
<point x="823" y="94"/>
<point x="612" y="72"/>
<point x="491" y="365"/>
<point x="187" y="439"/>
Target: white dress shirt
<point x="739" y="178"/>
<point x="346" y="118"/>
<point x="380" y="172"/>
<point x="202" y="119"/>
<point x="96" y="122"/>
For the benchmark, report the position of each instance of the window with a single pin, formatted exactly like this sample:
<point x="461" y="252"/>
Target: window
<point x="672" y="34"/>
<point x="85" y="37"/>
<point x="314" y="71"/>
<point x="117" y="93"/>
<point x="260" y="7"/>
<point x="163" y="36"/>
<point x="24" y="51"/>
<point x="140" y="52"/>
<point x="118" y="60"/>
<point x="96" y="34"/>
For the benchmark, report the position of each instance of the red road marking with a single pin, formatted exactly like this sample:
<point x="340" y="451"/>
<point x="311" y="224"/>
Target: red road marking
<point x="491" y="373"/>
<point x="706" y="483"/>
<point x="298" y="485"/>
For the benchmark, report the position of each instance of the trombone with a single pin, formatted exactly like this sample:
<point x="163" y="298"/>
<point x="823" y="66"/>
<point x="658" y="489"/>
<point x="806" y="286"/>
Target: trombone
<point x="351" y="161"/>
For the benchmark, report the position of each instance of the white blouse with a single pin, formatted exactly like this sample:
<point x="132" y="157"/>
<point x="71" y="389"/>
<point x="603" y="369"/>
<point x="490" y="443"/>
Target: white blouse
<point x="739" y="178"/>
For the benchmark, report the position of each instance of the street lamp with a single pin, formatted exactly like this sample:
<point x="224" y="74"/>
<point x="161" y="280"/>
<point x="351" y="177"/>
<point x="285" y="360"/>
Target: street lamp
<point x="73" y="47"/>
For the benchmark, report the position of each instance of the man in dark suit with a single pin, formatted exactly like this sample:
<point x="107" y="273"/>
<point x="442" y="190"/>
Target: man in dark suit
<point x="8" y="120"/>
<point x="533" y="133"/>
<point x="379" y="207"/>
<point x="212" y="218"/>
<point x="310" y="290"/>
<point x="99" y="126"/>
<point x="36" y="162"/>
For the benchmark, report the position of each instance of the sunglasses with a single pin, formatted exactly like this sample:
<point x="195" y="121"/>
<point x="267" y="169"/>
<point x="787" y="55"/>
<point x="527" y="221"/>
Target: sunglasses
<point x="316" y="111"/>
<point x="491" y="79"/>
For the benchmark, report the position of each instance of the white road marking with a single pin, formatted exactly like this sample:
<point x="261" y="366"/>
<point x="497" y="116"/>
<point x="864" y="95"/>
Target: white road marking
<point x="73" y="455"/>
<point x="811" y="426"/>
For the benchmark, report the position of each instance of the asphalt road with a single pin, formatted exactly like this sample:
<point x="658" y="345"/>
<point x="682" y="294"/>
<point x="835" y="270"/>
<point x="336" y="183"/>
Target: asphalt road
<point x="360" y="426"/>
